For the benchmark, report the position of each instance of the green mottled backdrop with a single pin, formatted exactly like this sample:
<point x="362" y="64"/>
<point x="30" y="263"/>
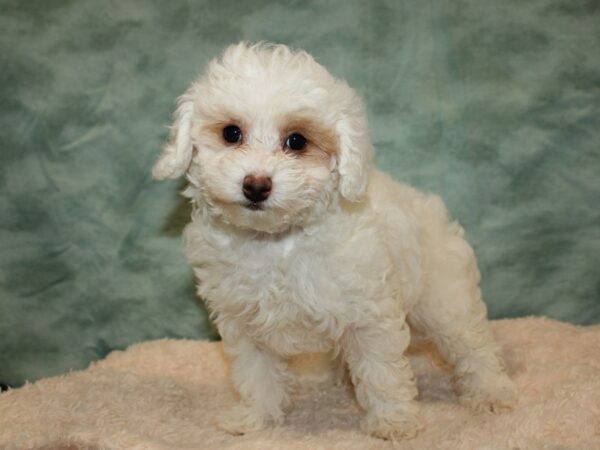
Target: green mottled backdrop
<point x="493" y="104"/>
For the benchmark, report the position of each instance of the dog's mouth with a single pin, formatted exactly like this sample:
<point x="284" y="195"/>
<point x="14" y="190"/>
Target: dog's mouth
<point x="253" y="206"/>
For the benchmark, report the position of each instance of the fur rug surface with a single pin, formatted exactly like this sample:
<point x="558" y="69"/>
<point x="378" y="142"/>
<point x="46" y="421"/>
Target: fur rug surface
<point x="164" y="394"/>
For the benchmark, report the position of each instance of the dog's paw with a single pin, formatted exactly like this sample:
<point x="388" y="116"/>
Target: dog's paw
<point x="242" y="419"/>
<point x="493" y="393"/>
<point x="393" y="427"/>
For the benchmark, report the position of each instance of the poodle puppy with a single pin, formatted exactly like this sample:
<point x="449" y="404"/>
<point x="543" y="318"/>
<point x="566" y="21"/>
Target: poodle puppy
<point x="300" y="245"/>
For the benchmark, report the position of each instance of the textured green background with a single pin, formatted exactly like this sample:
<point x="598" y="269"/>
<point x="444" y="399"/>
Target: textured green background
<point x="493" y="104"/>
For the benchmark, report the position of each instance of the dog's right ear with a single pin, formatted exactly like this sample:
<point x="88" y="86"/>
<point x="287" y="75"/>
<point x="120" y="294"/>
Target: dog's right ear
<point x="177" y="154"/>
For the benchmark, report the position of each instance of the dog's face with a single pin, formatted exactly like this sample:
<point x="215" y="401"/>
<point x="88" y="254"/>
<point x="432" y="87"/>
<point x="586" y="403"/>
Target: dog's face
<point x="268" y="140"/>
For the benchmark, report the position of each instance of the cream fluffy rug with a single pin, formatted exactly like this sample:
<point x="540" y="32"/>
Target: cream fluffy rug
<point x="163" y="395"/>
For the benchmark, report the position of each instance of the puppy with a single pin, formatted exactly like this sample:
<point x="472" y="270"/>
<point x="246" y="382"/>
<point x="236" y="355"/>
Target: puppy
<point x="300" y="245"/>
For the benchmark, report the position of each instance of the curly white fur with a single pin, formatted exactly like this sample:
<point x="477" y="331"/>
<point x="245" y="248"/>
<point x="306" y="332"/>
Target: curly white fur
<point x="339" y="258"/>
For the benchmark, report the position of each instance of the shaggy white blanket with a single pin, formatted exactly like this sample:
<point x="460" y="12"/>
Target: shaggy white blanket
<point x="163" y="395"/>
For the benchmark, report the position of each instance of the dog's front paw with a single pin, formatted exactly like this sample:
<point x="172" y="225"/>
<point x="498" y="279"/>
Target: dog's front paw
<point x="404" y="425"/>
<point x="242" y="419"/>
<point x="492" y="393"/>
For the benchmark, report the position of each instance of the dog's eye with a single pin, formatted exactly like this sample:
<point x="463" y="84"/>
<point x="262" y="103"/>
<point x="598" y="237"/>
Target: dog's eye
<point x="232" y="134"/>
<point x="296" y="141"/>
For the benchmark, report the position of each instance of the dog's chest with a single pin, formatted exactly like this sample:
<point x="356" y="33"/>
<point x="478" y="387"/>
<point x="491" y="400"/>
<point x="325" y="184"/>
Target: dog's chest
<point x="287" y="295"/>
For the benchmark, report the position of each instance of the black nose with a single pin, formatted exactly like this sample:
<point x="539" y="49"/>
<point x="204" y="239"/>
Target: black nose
<point x="256" y="189"/>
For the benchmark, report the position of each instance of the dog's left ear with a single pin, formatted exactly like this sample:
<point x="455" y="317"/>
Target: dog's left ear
<point x="177" y="154"/>
<point x="355" y="154"/>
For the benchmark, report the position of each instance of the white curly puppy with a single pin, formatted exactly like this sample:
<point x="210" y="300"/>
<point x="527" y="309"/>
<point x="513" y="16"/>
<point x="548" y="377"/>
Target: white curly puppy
<point x="299" y="245"/>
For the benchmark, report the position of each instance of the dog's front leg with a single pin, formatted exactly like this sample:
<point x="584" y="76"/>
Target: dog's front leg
<point x="261" y="378"/>
<point x="383" y="379"/>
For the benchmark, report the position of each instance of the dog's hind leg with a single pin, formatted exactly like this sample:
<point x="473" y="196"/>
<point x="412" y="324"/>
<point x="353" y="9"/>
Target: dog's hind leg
<point x="452" y="314"/>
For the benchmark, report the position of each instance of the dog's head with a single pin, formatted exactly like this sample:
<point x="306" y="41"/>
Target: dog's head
<point x="268" y="139"/>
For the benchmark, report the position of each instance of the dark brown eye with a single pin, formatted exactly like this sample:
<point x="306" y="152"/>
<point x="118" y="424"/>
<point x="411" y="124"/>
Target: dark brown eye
<point x="296" y="141"/>
<point x="232" y="134"/>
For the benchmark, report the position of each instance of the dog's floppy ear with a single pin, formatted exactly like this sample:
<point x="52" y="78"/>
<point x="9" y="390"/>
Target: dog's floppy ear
<point x="177" y="154"/>
<point x="355" y="156"/>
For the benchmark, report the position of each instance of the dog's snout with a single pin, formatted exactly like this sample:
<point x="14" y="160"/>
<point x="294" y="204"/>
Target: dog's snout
<point x="257" y="189"/>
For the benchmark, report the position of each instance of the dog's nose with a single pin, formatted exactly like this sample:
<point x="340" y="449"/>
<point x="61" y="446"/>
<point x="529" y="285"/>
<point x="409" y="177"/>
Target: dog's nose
<point x="257" y="189"/>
